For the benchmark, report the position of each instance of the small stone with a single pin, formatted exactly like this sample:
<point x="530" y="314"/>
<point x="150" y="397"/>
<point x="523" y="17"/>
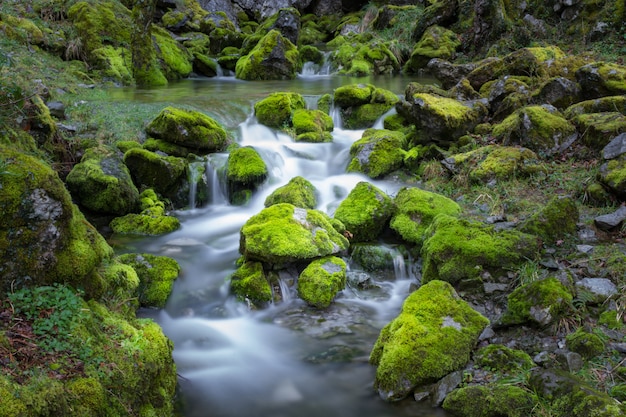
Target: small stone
<point x="601" y="288"/>
<point x="615" y="148"/>
<point x="611" y="220"/>
<point x="491" y="287"/>
<point x="584" y="248"/>
<point x="445" y="386"/>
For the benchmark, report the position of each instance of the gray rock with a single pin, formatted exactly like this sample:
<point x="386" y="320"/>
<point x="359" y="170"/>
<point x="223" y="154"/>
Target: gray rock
<point x="445" y="386"/>
<point x="601" y="288"/>
<point x="615" y="148"/>
<point x="584" y="248"/>
<point x="447" y="73"/>
<point x="611" y="220"/>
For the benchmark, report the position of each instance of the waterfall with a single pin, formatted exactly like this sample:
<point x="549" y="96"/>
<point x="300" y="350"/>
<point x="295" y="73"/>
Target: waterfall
<point x="216" y="191"/>
<point x="335" y="113"/>
<point x="195" y="174"/>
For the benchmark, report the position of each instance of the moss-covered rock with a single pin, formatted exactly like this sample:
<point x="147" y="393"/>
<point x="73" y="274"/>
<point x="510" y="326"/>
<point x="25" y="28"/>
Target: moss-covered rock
<point x="319" y="283"/>
<point x="443" y="119"/>
<point x="165" y="174"/>
<point x="151" y="221"/>
<point x="586" y="344"/>
<point x="378" y="152"/>
<point x="613" y="175"/>
<point x="21" y="29"/>
<point x="599" y="105"/>
<point x="283" y="233"/>
<point x="102" y="183"/>
<point x="432" y="336"/>
<point x="492" y="400"/>
<point x="312" y="126"/>
<point x="541" y="302"/>
<point x="601" y="79"/>
<point x="277" y="109"/>
<point x="374" y="257"/>
<point x="598" y="129"/>
<point x="249" y="283"/>
<point x="436" y="42"/>
<point x="176" y="60"/>
<point x="457" y="250"/>
<point x="156" y="277"/>
<point x="44" y="238"/>
<point x="539" y="128"/>
<point x="361" y="105"/>
<point x="365" y="212"/>
<point x="190" y="129"/>
<point x="356" y="55"/>
<point x="495" y="162"/>
<point x="503" y="360"/>
<point x="273" y="58"/>
<point x="556" y="220"/>
<point x="415" y="211"/>
<point x="298" y="192"/>
<point x="245" y="170"/>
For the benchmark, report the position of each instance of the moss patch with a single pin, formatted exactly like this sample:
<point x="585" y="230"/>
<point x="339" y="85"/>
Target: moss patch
<point x="319" y="283"/>
<point x="299" y="192"/>
<point x="249" y="283"/>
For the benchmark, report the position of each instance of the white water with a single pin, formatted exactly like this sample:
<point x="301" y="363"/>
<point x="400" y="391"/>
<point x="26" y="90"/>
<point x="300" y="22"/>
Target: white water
<point x="287" y="360"/>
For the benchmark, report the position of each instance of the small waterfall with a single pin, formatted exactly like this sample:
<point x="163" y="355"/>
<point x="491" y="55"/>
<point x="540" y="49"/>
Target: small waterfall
<point x="213" y="164"/>
<point x="335" y="113"/>
<point x="311" y="69"/>
<point x="400" y="267"/>
<point x="195" y="174"/>
<point x="284" y="289"/>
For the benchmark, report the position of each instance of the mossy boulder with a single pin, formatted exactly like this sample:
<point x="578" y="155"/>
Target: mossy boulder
<point x="358" y="56"/>
<point x="555" y="221"/>
<point x="156" y="277"/>
<point x="374" y="257"/>
<point x="44" y="238"/>
<point x="365" y="212"/>
<point x="585" y="343"/>
<point x="250" y="283"/>
<point x="361" y="105"/>
<point x="436" y="42"/>
<point x="415" y="211"/>
<point x="379" y="152"/>
<point x="102" y="183"/>
<point x="457" y="250"/>
<point x="21" y="29"/>
<point x="598" y="105"/>
<point x="601" y="79"/>
<point x="503" y="360"/>
<point x="613" y="175"/>
<point x="277" y="109"/>
<point x="153" y="220"/>
<point x="298" y="191"/>
<point x="283" y="233"/>
<point x="245" y="171"/>
<point x="433" y="335"/>
<point x="495" y="162"/>
<point x="492" y="400"/>
<point x="598" y="129"/>
<point x="539" y="128"/>
<point x="312" y="126"/>
<point x="273" y="58"/>
<point x="321" y="280"/>
<point x="443" y="119"/>
<point x="175" y="59"/>
<point x="126" y="366"/>
<point x="190" y="129"/>
<point x="541" y="303"/>
<point x="167" y="175"/>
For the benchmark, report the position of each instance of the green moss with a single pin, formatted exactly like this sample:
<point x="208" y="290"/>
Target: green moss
<point x="490" y="401"/>
<point x="257" y="66"/>
<point x="164" y="174"/>
<point x="115" y="63"/>
<point x="610" y="319"/>
<point x="436" y="42"/>
<point x="556" y="220"/>
<point x="365" y="212"/>
<point x="373" y="257"/>
<point x="599" y="105"/>
<point x="321" y="280"/>
<point x="152" y="220"/>
<point x="540" y="302"/>
<point x="249" y="282"/>
<point x="156" y="276"/>
<point x="432" y="336"/>
<point x="360" y="55"/>
<point x="315" y="121"/>
<point x="188" y="128"/>
<point x="415" y="211"/>
<point x="283" y="233"/>
<point x="598" y="129"/>
<point x="353" y="95"/>
<point x="123" y="282"/>
<point x="175" y="60"/>
<point x="159" y="145"/>
<point x="245" y="166"/>
<point x="455" y="250"/>
<point x="587" y="344"/>
<point x="299" y="192"/>
<point x="377" y="153"/>
<point x="502" y="359"/>
<point x="21" y="29"/>
<point x="277" y="109"/>
<point x="100" y="24"/>
<point x="601" y="79"/>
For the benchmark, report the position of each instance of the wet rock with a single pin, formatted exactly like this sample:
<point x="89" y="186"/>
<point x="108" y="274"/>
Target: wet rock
<point x="319" y="283"/>
<point x="379" y="152"/>
<point x="436" y="42"/>
<point x="444" y="386"/>
<point x="361" y="105"/>
<point x="612" y="220"/>
<point x="559" y="92"/>
<point x="245" y="172"/>
<point x="277" y="109"/>
<point x="365" y="212"/>
<point x="312" y="126"/>
<point x="273" y="58"/>
<point x="601" y="79"/>
<point x="298" y="191"/>
<point x="287" y="22"/>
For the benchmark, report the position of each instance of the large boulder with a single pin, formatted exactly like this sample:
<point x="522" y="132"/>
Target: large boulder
<point x="601" y="79"/>
<point x="378" y="152"/>
<point x="433" y="335"/>
<point x="443" y="119"/>
<point x="277" y="109"/>
<point x="598" y="129"/>
<point x="361" y="55"/>
<point x="152" y="220"/>
<point x="312" y="126"/>
<point x="190" y="129"/>
<point x="365" y="212"/>
<point x="283" y="233"/>
<point x="415" y="211"/>
<point x="102" y="183"/>
<point x="273" y="58"/>
<point x="44" y="238"/>
<point x="555" y="221"/>
<point x="539" y="128"/>
<point x="245" y="171"/>
<point x="457" y="250"/>
<point x="321" y="280"/>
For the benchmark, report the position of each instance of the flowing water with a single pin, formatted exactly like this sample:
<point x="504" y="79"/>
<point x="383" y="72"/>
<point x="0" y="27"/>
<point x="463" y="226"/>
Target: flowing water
<point x="287" y="360"/>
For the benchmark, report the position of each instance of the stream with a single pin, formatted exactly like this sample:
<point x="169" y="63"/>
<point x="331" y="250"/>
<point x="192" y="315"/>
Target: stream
<point x="289" y="359"/>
